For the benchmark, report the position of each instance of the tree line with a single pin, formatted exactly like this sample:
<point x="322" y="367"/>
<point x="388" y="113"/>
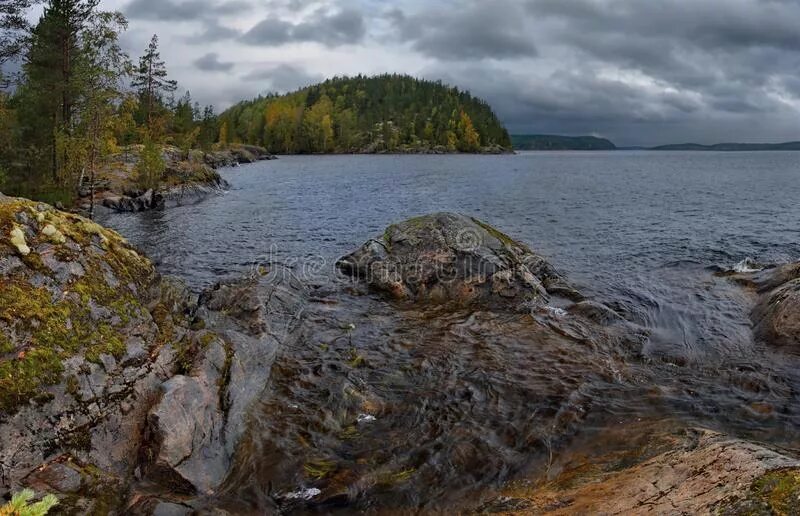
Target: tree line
<point x="366" y="114"/>
<point x="78" y="99"/>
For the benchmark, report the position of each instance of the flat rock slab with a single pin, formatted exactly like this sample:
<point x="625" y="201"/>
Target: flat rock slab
<point x="710" y="475"/>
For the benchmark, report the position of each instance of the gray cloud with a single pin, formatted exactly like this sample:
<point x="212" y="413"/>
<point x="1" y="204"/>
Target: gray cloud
<point x="478" y="30"/>
<point x="723" y="24"/>
<point x="283" y="78"/>
<point x="182" y="10"/>
<point x="637" y="71"/>
<point x="211" y="63"/>
<point x="212" y="31"/>
<point x="343" y="27"/>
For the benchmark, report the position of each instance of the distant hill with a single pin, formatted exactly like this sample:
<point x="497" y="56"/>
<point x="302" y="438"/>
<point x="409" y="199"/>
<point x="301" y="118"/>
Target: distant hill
<point x="555" y="142"/>
<point x="388" y="113"/>
<point x="787" y="146"/>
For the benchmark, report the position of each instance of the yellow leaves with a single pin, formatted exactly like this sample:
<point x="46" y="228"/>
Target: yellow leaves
<point x="223" y="133"/>
<point x="470" y="139"/>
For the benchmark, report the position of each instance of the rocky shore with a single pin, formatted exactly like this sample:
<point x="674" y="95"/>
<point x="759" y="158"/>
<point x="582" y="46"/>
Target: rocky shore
<point x="188" y="177"/>
<point x="123" y="393"/>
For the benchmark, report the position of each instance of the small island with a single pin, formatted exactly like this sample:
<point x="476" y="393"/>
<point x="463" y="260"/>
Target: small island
<point x="368" y="115"/>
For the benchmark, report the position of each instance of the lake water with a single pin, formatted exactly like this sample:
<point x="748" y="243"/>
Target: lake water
<point x="642" y="231"/>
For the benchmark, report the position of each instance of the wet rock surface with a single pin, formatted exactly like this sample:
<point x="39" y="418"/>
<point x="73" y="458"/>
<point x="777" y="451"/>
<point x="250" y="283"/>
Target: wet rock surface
<point x="704" y="473"/>
<point x="194" y="429"/>
<point x="776" y="317"/>
<point x="448" y="257"/>
<point x="148" y="200"/>
<point x="274" y="393"/>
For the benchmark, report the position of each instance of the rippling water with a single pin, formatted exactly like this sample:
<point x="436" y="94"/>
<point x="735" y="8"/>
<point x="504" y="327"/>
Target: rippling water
<point x="643" y="231"/>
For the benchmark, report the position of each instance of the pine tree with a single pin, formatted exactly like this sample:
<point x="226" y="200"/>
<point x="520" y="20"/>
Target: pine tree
<point x="150" y="79"/>
<point x="14" y="28"/>
<point x="208" y="129"/>
<point x="52" y="85"/>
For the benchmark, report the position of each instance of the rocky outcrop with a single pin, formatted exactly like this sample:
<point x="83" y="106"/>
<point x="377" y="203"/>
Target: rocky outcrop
<point x="111" y="375"/>
<point x="238" y="154"/>
<point x="704" y="473"/>
<point x="193" y="430"/>
<point x="148" y="200"/>
<point x="121" y="391"/>
<point x="88" y="332"/>
<point x="447" y="257"/>
<point x="187" y="178"/>
<point x="776" y="317"/>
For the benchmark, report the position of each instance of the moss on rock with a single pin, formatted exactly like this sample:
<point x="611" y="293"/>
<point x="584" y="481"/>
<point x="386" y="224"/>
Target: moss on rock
<point x="74" y="292"/>
<point x="775" y="493"/>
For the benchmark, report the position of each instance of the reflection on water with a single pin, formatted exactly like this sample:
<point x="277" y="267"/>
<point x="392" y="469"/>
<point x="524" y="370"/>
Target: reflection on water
<point x="419" y="409"/>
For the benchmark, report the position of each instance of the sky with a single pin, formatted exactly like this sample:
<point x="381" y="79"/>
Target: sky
<point x="640" y="72"/>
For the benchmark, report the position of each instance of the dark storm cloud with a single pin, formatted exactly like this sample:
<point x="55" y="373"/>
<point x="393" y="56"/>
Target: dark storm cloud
<point x="343" y="27"/>
<point x="183" y="10"/>
<point x="283" y="78"/>
<point x="581" y="101"/>
<point x="211" y="63"/>
<point x="638" y="71"/>
<point x="724" y="24"/>
<point x="476" y="31"/>
<point x="687" y="43"/>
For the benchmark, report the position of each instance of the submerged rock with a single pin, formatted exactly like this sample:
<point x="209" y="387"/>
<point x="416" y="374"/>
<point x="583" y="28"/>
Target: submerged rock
<point x="448" y="257"/>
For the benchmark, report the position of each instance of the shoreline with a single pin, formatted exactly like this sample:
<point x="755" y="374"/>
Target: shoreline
<point x="126" y="385"/>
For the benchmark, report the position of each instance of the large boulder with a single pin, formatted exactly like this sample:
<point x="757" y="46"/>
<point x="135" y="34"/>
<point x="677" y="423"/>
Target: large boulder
<point x="88" y="332"/>
<point x="185" y="428"/>
<point x="448" y="257"/>
<point x="776" y="317"/>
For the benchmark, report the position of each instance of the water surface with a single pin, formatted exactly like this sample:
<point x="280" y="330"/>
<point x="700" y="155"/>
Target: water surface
<point x="642" y="231"/>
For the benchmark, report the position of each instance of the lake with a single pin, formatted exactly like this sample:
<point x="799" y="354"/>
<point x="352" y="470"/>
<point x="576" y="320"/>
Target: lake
<point x="644" y="232"/>
<point x="645" y="229"/>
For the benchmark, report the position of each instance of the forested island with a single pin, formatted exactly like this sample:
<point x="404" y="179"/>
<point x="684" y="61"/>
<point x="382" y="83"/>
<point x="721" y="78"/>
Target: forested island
<point x="556" y="142"/>
<point x="387" y="113"/>
<point x="82" y="117"/>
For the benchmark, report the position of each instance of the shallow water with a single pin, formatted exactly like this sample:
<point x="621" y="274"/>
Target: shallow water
<point x="462" y="400"/>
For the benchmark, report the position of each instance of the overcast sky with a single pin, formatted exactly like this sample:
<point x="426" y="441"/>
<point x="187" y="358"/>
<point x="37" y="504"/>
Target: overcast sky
<point x="636" y="71"/>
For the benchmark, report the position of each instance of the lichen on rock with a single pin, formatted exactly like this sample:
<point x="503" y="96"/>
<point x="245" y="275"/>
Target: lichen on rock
<point x="453" y="258"/>
<point x="78" y="341"/>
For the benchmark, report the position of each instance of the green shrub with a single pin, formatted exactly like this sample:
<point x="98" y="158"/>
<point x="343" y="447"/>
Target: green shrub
<point x="150" y="168"/>
<point x="20" y="505"/>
